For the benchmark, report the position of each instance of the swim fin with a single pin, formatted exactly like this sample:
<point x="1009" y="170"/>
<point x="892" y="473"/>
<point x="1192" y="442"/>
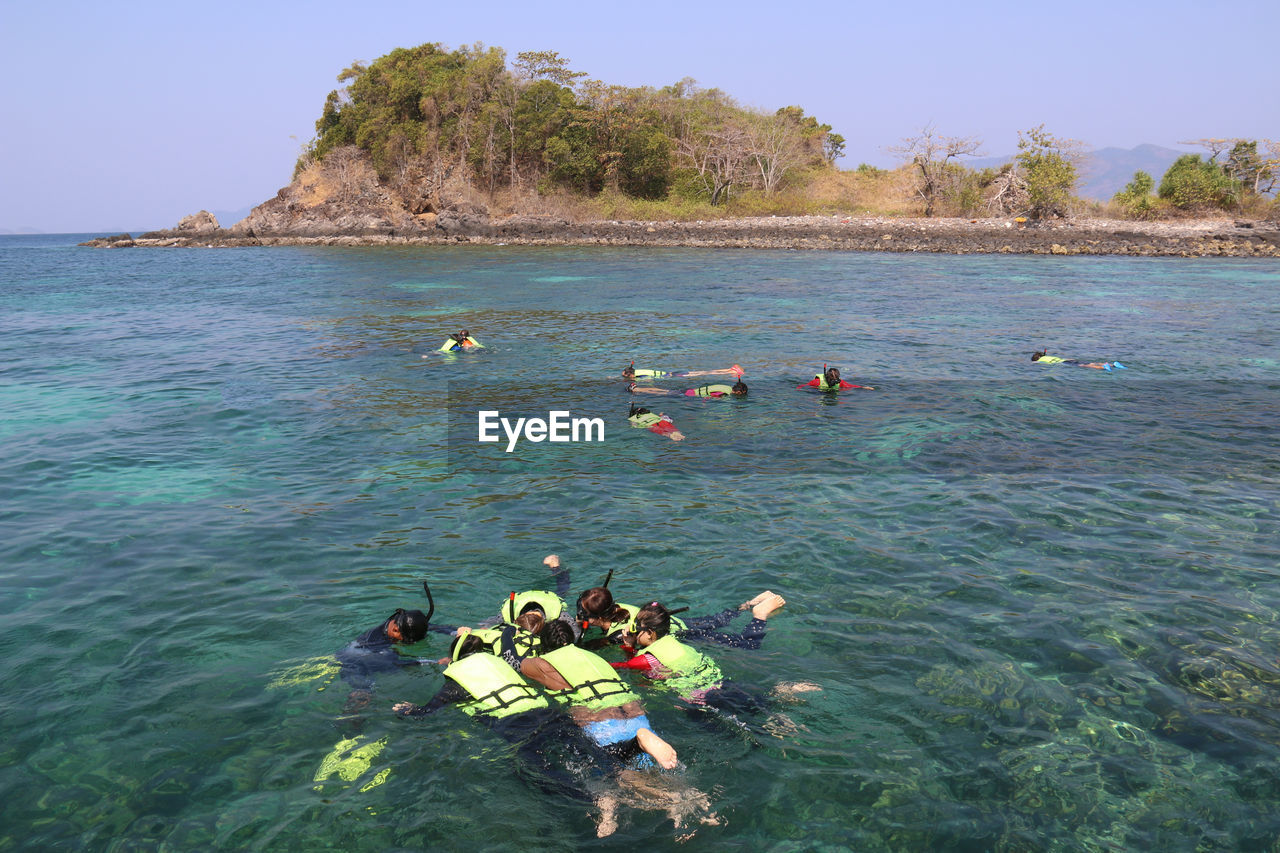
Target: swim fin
<point x="1106" y="366"/>
<point x="737" y="368"/>
<point x="1119" y="365"/>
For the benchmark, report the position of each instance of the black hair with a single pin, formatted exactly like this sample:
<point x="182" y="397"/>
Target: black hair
<point x="832" y="375"/>
<point x="598" y="603"/>
<point x="461" y="337"/>
<point x="739" y="388"/>
<point x="654" y="617"/>
<point x="467" y="644"/>
<point x="1038" y="354"/>
<point x="412" y="624"/>
<point x="556" y="635"/>
<point x="630" y="368"/>
<point x="638" y="410"/>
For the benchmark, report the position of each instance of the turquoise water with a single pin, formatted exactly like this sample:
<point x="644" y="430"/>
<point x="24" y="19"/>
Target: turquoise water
<point x="1041" y="602"/>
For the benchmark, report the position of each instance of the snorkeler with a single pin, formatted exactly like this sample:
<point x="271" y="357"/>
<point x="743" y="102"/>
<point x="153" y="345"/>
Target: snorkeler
<point x="484" y="687"/>
<point x="633" y="372"/>
<point x="459" y="341"/>
<point x="1043" y="357"/>
<point x="829" y="380"/>
<point x="598" y="700"/>
<point x="597" y="609"/>
<point x="737" y="389"/>
<point x="374" y="651"/>
<point x="694" y="676"/>
<point x="516" y="632"/>
<point x="659" y="424"/>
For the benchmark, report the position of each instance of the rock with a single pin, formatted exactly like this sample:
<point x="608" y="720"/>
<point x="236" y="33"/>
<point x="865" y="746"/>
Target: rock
<point x="198" y="223"/>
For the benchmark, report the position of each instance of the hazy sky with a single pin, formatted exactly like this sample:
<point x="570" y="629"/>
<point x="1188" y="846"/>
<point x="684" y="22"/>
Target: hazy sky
<point x="128" y="116"/>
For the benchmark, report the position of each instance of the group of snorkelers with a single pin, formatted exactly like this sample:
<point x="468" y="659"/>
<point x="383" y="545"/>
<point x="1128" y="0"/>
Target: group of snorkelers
<point x="826" y="381"/>
<point x="550" y="682"/>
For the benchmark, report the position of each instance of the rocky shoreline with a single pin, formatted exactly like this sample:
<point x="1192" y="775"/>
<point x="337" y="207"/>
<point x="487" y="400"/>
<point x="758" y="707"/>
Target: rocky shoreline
<point x="1192" y="238"/>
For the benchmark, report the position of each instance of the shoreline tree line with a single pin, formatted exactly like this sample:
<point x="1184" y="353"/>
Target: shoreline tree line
<point x="445" y="129"/>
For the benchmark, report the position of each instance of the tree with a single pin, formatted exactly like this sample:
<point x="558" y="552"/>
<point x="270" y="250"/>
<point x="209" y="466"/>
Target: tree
<point x="545" y="65"/>
<point x="1049" y="169"/>
<point x="931" y="154"/>
<point x="1255" y="173"/>
<point x="776" y="146"/>
<point x="1194" y="184"/>
<point x="1136" y="197"/>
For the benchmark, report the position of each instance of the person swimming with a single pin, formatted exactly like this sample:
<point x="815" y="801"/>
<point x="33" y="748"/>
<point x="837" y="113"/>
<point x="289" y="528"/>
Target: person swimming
<point x="1043" y="357"/>
<point x="658" y="424"/>
<point x="458" y="342"/>
<point x="597" y="699"/>
<point x="829" y="380"/>
<point x="633" y="372"/>
<point x="737" y="389"/>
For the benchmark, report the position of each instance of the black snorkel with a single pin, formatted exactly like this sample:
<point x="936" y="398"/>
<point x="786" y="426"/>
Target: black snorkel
<point x="431" y="602"/>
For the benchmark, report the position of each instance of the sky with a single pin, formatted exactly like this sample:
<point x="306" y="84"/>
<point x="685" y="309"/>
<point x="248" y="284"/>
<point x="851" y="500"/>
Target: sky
<point x="127" y="117"/>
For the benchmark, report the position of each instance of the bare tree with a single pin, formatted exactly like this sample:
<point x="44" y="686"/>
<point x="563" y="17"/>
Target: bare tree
<point x="776" y="148"/>
<point x="1214" y="145"/>
<point x="932" y="153"/>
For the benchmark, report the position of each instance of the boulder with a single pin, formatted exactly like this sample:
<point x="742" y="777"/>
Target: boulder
<point x="198" y="223"/>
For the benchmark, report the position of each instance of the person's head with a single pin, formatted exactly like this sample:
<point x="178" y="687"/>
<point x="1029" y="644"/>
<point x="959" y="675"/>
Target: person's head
<point x="653" y="622"/>
<point x="638" y="410"/>
<point x="739" y="389"/>
<point x="462" y="336"/>
<point x="467" y="644"/>
<point x="531" y="618"/>
<point x="556" y="635"/>
<point x="1038" y="354"/>
<point x="597" y="607"/>
<point x="407" y="626"/>
<point x="832" y="375"/>
<point x="629" y="372"/>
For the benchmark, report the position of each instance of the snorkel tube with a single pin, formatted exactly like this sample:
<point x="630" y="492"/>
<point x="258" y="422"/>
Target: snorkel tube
<point x="431" y="602"/>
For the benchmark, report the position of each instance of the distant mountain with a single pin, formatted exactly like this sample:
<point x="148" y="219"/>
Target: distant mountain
<point x="1106" y="171"/>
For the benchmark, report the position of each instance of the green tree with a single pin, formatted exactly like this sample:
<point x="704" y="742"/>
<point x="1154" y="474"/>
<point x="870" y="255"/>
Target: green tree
<point x="1255" y="174"/>
<point x="1136" y="197"/>
<point x="1047" y="167"/>
<point x="1195" y="184"/>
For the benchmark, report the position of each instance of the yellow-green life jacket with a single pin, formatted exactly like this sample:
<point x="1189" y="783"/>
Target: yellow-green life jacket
<point x="690" y="669"/>
<point x="450" y="345"/>
<point x="592" y="682"/>
<point x="649" y="374"/>
<point x="630" y="625"/>
<point x="525" y="642"/>
<point x="550" y="603"/>
<point x="708" y="390"/>
<point x="1049" y="359"/>
<point x="496" y="689"/>
<point x="646" y="420"/>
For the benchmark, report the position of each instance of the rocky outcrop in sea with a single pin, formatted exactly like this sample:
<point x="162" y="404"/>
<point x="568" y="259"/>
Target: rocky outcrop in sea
<point x="343" y="203"/>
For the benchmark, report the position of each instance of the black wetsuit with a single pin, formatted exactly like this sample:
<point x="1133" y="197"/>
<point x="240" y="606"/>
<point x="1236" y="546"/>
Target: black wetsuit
<point x="370" y="653"/>
<point x="704" y="628"/>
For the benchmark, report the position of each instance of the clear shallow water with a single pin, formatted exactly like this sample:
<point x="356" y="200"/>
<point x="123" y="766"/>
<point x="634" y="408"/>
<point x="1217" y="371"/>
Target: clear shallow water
<point x="1041" y="603"/>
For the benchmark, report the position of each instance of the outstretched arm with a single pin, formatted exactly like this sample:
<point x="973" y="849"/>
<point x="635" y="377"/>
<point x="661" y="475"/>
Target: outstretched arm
<point x="451" y="692"/>
<point x="558" y="572"/>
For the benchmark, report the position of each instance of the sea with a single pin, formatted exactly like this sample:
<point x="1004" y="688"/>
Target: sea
<point x="1036" y="607"/>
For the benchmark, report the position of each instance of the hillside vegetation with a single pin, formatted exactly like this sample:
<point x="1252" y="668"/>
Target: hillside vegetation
<point x="459" y="130"/>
